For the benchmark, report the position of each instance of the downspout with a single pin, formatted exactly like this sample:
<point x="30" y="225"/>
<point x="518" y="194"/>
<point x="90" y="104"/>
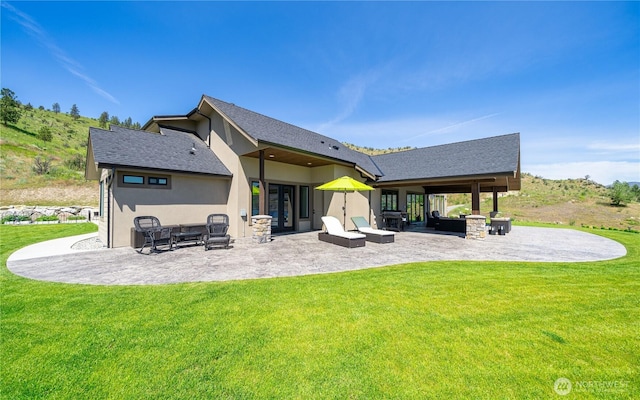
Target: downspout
<point x="109" y="211"/>
<point x="207" y="117"/>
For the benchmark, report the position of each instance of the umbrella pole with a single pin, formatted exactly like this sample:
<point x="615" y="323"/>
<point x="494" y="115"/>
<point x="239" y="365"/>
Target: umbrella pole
<point x="344" y="212"/>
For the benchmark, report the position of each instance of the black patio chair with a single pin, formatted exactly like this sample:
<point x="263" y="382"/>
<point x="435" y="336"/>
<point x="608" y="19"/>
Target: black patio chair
<point x="153" y="232"/>
<point x="217" y="227"/>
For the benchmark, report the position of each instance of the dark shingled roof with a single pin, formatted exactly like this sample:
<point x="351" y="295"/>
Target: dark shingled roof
<point x="168" y="151"/>
<point x="489" y="156"/>
<point x="270" y="130"/>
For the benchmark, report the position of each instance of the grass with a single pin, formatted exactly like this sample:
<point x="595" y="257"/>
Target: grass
<point x="422" y="330"/>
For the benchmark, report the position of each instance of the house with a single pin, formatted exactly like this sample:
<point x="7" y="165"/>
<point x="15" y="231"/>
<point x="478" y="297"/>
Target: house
<point x="222" y="158"/>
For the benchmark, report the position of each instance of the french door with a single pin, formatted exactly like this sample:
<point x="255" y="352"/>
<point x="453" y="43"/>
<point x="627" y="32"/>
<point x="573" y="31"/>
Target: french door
<point x="281" y="207"/>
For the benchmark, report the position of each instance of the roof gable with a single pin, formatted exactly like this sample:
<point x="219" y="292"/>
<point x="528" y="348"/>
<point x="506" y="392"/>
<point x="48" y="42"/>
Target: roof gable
<point x="269" y="130"/>
<point x="169" y="150"/>
<point x="488" y="156"/>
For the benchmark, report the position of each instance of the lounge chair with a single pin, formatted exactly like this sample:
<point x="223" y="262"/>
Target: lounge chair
<point x="154" y="233"/>
<point x="336" y="234"/>
<point x="372" y="234"/>
<point x="217" y="227"/>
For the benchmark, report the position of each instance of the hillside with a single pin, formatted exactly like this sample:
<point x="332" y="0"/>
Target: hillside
<point x="577" y="202"/>
<point x="34" y="171"/>
<point x="572" y="202"/>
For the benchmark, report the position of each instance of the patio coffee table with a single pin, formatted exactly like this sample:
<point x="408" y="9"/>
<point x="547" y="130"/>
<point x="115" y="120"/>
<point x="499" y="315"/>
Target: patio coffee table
<point x="189" y="236"/>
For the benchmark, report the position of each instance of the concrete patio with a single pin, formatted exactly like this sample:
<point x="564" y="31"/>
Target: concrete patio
<point x="297" y="254"/>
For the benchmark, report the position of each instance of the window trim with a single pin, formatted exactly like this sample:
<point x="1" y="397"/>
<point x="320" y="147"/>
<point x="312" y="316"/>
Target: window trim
<point x="146" y="180"/>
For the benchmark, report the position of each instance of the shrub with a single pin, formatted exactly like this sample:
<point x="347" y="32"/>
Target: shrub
<point x="15" y="218"/>
<point x="47" y="218"/>
<point x="41" y="166"/>
<point x="76" y="218"/>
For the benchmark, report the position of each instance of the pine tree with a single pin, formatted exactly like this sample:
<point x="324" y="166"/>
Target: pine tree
<point x="56" y="108"/>
<point x="104" y="118"/>
<point x="45" y="134"/>
<point x="75" y="113"/>
<point x="10" y="111"/>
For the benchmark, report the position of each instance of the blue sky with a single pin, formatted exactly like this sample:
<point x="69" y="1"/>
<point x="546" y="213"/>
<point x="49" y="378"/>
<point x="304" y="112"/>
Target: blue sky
<point x="566" y="75"/>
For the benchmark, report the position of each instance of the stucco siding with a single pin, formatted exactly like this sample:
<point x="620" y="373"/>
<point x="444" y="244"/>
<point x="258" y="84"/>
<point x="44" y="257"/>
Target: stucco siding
<point x="189" y="200"/>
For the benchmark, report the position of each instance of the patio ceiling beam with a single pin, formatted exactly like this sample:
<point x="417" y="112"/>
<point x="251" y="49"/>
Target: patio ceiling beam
<point x="461" y="188"/>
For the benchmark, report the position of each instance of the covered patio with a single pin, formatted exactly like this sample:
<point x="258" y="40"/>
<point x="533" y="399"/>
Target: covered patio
<point x="490" y="165"/>
<point x="298" y="254"/>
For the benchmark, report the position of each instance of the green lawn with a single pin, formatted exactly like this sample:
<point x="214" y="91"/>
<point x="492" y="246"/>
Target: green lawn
<point x="423" y="330"/>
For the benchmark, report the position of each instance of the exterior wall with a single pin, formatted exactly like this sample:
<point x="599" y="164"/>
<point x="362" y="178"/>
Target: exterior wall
<point x="190" y="199"/>
<point x="357" y="203"/>
<point x="376" y="204"/>
<point x="227" y="143"/>
<point x="102" y="220"/>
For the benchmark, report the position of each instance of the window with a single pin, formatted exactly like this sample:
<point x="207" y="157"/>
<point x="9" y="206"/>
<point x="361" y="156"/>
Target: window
<point x="102" y="198"/>
<point x="255" y="198"/>
<point x="389" y="200"/>
<point x="129" y="180"/>
<point x="415" y="206"/>
<point x="304" y="201"/>
<point x="157" y="181"/>
<point x="133" y="179"/>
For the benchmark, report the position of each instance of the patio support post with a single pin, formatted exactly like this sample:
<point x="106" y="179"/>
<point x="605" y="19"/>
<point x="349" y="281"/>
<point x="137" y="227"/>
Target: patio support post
<point x="495" y="199"/>
<point x="475" y="198"/>
<point x="261" y="186"/>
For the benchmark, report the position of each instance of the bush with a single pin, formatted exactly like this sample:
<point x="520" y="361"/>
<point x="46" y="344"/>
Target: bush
<point x="76" y="218"/>
<point x="76" y="162"/>
<point x="41" y="166"/>
<point x="47" y="218"/>
<point x="45" y="134"/>
<point x="15" y="218"/>
<point x="620" y="193"/>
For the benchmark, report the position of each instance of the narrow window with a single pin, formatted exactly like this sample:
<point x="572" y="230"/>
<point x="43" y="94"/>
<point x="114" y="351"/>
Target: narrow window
<point x="157" y="181"/>
<point x="255" y="198"/>
<point x="133" y="179"/>
<point x="304" y="201"/>
<point x="102" y="198"/>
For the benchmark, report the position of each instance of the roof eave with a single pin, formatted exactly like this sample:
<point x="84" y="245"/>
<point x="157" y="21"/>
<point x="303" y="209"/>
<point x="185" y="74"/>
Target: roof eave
<point x="123" y="166"/>
<point x="153" y="122"/>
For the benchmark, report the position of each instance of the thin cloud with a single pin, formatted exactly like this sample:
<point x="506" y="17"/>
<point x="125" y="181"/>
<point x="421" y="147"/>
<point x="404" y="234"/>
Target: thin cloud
<point x="452" y="127"/>
<point x="350" y="95"/>
<point x="607" y="146"/>
<point x="40" y="35"/>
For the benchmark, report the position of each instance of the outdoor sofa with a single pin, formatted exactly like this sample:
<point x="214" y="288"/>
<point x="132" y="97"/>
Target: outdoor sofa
<point x="336" y="234"/>
<point x="372" y="234"/>
<point x="447" y="224"/>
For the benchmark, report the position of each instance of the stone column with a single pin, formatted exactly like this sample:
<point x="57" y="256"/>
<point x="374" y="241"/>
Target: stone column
<point x="476" y="227"/>
<point x="261" y="228"/>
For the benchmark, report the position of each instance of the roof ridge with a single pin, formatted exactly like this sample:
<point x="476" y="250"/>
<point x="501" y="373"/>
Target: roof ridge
<point x="275" y="119"/>
<point x="447" y="144"/>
